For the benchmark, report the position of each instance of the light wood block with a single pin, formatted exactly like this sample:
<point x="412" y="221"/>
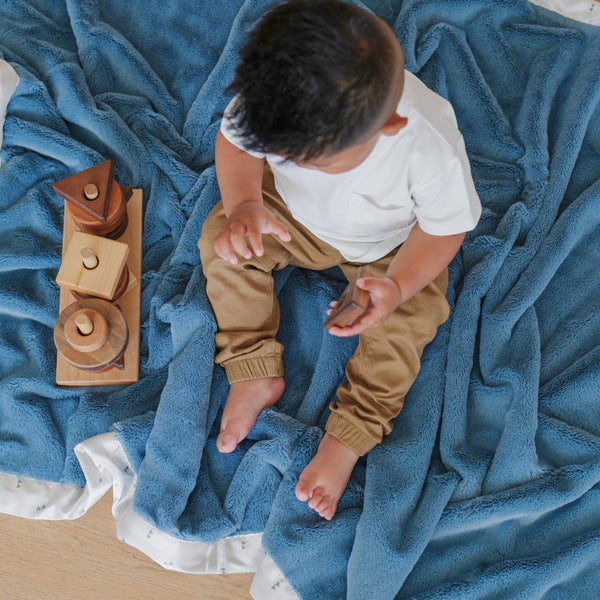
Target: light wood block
<point x="129" y="303"/>
<point x="100" y="281"/>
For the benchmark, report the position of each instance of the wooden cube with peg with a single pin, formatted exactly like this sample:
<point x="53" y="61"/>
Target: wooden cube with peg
<point x="95" y="266"/>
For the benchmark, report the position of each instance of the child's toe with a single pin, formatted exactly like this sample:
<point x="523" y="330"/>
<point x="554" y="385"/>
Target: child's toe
<point x="323" y="505"/>
<point x="303" y="490"/>
<point x="324" y="508"/>
<point x="226" y="442"/>
<point x="316" y="498"/>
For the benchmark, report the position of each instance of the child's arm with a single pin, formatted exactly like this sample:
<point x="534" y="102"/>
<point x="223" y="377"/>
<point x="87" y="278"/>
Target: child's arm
<point x="420" y="259"/>
<point x="240" y="181"/>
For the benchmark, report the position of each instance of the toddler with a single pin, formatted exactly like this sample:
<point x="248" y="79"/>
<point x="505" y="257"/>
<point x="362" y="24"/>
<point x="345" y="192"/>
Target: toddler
<point x="330" y="153"/>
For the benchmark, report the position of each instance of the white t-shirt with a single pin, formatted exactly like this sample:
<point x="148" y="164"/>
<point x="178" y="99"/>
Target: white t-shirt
<point x="420" y="174"/>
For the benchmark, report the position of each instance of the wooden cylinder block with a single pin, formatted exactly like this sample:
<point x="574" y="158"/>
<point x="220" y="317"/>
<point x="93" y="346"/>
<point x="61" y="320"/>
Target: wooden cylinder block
<point x="100" y="349"/>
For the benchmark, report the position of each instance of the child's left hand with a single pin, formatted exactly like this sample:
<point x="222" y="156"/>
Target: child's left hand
<point x="385" y="296"/>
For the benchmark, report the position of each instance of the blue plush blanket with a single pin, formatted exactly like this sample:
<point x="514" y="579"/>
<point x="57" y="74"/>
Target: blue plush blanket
<point x="488" y="486"/>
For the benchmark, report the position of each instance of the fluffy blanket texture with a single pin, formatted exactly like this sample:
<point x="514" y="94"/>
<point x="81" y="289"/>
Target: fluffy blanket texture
<point x="488" y="486"/>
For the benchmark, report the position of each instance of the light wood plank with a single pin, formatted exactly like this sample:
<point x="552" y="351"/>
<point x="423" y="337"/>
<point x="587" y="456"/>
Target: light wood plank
<point x="83" y="560"/>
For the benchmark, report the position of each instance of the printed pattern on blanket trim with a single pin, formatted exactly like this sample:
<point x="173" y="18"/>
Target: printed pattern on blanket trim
<point x="586" y="11"/>
<point x="105" y="466"/>
<point x="104" y="462"/>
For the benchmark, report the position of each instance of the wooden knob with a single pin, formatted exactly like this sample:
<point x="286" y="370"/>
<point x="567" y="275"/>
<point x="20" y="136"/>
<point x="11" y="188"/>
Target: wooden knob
<point x="84" y="324"/>
<point x="90" y="260"/>
<point x="90" y="191"/>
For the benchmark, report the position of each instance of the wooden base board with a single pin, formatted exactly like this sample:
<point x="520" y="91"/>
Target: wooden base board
<point x="129" y="304"/>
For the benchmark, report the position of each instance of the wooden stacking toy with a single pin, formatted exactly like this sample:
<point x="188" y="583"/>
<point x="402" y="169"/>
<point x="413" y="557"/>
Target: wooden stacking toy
<point x="97" y="331"/>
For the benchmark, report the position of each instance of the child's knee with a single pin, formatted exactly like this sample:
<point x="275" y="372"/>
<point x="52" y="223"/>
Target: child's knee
<point x="212" y="227"/>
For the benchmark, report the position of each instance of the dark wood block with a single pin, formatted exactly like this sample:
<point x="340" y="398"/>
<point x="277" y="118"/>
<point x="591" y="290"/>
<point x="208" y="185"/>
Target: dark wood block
<point x="352" y="303"/>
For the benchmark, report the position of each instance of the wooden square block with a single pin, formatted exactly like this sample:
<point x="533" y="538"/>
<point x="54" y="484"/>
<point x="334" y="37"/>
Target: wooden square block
<point x="101" y="280"/>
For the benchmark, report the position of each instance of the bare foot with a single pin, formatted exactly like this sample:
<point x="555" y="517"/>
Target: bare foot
<point x="244" y="403"/>
<point x="324" y="479"/>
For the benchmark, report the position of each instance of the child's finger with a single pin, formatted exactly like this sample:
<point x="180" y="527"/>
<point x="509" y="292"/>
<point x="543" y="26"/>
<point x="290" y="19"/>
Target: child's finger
<point x="378" y="288"/>
<point x="369" y="284"/>
<point x="238" y="241"/>
<point x="366" y="321"/>
<point x="348" y="331"/>
<point x="223" y="249"/>
<point x="278" y="228"/>
<point x="255" y="239"/>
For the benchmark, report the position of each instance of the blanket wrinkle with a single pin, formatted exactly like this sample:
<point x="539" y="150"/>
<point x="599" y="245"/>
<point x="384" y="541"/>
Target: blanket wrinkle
<point x="210" y="102"/>
<point x="103" y="68"/>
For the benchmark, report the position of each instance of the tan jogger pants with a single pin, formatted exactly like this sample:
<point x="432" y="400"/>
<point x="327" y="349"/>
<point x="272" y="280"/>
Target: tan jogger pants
<point x="387" y="359"/>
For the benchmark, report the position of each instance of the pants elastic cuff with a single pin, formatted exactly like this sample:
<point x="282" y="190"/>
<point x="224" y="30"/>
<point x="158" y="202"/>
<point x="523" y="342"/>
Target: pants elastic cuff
<point x="243" y="369"/>
<point x="356" y="439"/>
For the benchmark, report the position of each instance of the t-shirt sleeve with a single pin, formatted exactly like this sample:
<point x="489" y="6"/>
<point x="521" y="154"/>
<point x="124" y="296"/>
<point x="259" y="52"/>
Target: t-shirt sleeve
<point x="448" y="203"/>
<point x="232" y="133"/>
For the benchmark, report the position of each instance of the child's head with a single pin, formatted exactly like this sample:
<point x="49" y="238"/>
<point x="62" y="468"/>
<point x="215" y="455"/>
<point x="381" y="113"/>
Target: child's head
<point x="317" y="78"/>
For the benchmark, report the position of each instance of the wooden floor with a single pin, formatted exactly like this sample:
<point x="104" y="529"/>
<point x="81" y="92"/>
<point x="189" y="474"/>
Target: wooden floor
<point x="83" y="560"/>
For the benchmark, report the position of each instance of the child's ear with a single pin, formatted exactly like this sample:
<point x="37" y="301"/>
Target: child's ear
<point x="394" y="124"/>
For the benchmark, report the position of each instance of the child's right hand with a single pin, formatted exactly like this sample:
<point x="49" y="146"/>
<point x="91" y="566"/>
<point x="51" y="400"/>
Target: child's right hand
<point x="248" y="220"/>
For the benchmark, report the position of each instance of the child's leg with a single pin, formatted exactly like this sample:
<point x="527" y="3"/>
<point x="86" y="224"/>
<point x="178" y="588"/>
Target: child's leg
<point x="247" y="318"/>
<point x="247" y="313"/>
<point x="379" y="375"/>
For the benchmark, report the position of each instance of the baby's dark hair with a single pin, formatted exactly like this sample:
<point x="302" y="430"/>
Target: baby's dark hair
<point x="313" y="79"/>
